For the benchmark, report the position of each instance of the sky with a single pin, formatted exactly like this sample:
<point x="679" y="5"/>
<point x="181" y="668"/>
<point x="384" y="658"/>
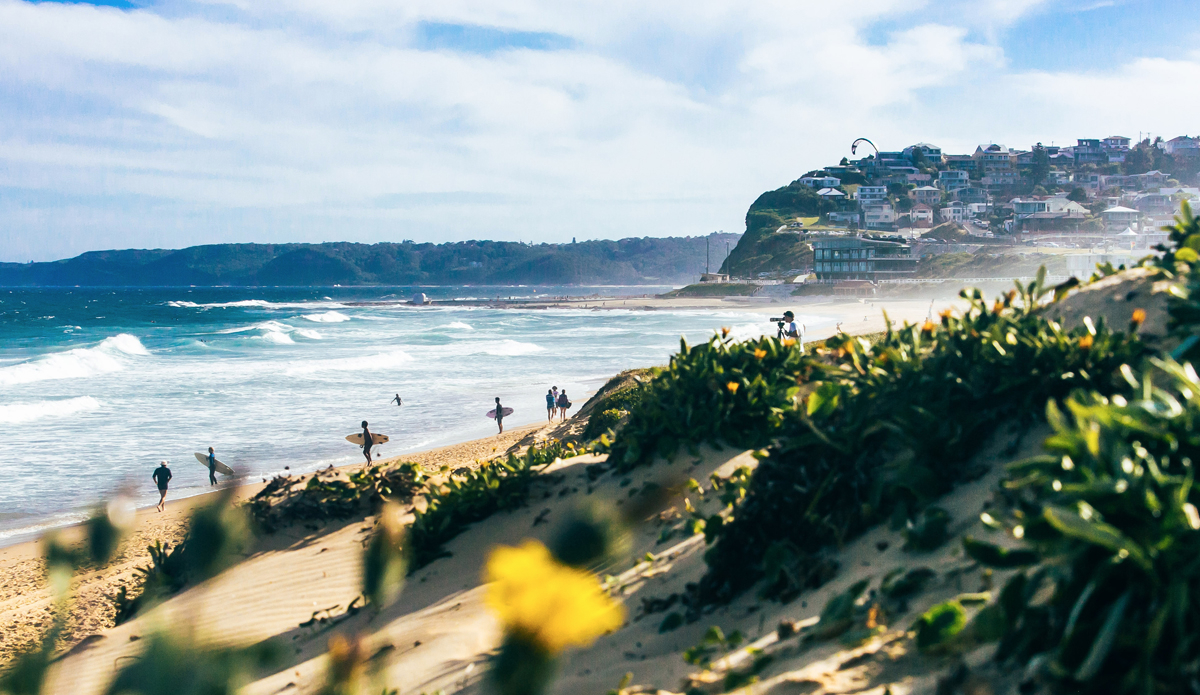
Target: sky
<point x="170" y="123"/>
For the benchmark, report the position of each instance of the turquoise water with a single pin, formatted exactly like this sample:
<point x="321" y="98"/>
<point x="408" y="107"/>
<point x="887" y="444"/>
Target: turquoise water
<point x="98" y="385"/>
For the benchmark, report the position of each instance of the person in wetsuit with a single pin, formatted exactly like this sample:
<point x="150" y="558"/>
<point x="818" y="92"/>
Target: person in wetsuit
<point x="161" y="476"/>
<point x="551" y="404"/>
<point x="212" y="466"/>
<point x="397" y="400"/>
<point x="499" y="415"/>
<point x="368" y="441"/>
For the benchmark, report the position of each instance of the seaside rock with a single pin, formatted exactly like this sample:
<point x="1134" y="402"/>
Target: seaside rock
<point x="420" y="299"/>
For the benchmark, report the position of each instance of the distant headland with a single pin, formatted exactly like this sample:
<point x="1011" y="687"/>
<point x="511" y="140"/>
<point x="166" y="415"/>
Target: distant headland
<point x="632" y="261"/>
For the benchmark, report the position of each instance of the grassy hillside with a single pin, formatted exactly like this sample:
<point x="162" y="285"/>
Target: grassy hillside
<point x="629" y="261"/>
<point x="763" y="250"/>
<point x="983" y="265"/>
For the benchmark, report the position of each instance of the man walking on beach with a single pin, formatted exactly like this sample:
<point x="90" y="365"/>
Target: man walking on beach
<point x="212" y="466"/>
<point x="367" y="441"/>
<point x="499" y="415"/>
<point x="550" y="404"/>
<point x="161" y="476"/>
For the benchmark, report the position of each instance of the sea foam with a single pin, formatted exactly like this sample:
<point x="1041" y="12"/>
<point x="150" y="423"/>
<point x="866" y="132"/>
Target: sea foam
<point x="108" y="356"/>
<point x="28" y="412"/>
<point x="328" y="317"/>
<point x="383" y="360"/>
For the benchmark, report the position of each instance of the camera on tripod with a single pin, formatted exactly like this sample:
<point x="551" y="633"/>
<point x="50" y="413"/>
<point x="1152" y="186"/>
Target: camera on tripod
<point x="781" y="321"/>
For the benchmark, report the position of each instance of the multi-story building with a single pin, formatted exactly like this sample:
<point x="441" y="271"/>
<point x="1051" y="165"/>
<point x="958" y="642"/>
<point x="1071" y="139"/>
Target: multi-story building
<point x="1119" y="143"/>
<point x="953" y="180"/>
<point x="1090" y="151"/>
<point x="959" y="162"/>
<point x="879" y="216"/>
<point x="1182" y="146"/>
<point x="847" y="218"/>
<point x="927" y="195"/>
<point x="997" y="163"/>
<point x="933" y="153"/>
<point x="838" y="259"/>
<point x="921" y="215"/>
<point x="971" y="194"/>
<point x="953" y="212"/>
<point x="868" y="195"/>
<point x="1119" y="218"/>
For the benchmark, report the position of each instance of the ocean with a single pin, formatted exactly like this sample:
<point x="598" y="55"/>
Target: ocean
<point x="98" y="385"/>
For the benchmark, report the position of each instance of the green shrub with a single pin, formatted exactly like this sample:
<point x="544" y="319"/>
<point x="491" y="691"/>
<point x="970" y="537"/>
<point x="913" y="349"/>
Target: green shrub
<point x="889" y="426"/>
<point x="602" y="422"/>
<point x="1111" y="512"/>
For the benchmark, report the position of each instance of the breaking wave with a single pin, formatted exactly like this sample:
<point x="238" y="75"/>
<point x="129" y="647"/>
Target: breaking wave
<point x="28" y="412"/>
<point x="109" y="356"/>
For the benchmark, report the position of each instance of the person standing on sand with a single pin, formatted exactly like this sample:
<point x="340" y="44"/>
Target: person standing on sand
<point x="499" y="415"/>
<point x="368" y="440"/>
<point x="212" y="466"/>
<point x="397" y="400"/>
<point x="563" y="404"/>
<point x="161" y="476"/>
<point x="550" y="403"/>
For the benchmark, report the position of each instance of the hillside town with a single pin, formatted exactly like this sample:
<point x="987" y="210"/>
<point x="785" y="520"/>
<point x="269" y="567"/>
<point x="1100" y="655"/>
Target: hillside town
<point x="1090" y="191"/>
<point x="1099" y="200"/>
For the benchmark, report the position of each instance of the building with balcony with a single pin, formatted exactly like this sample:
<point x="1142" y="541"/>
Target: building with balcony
<point x="953" y="180"/>
<point x="927" y="195"/>
<point x="838" y="259"/>
<point x="868" y="195"/>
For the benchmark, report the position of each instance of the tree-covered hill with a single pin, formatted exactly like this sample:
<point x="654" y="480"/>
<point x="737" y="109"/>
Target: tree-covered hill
<point x="627" y="261"/>
<point x="762" y="248"/>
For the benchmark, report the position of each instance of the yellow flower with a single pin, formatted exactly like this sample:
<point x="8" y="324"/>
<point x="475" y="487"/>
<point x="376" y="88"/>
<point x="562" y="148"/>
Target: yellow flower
<point x="997" y="307"/>
<point x="788" y="342"/>
<point x="1139" y="316"/>
<point x="732" y="386"/>
<point x="724" y="331"/>
<point x="1085" y="342"/>
<point x="541" y="599"/>
<point x="760" y="353"/>
<point x="928" y="327"/>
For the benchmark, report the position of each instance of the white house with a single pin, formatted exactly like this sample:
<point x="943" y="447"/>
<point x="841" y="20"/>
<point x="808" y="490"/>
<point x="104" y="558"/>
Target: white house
<point x="878" y="216"/>
<point x="831" y="194"/>
<point x="1182" y="145"/>
<point x="953" y="212"/>
<point x="921" y="213"/>
<point x="869" y="195"/>
<point x="821" y="181"/>
<point x="1119" y="217"/>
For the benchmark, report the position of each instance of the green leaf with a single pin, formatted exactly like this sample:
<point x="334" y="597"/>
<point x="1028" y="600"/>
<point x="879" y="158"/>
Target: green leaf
<point x="990" y="555"/>
<point x="940" y="624"/>
<point x="1096" y="532"/>
<point x="1104" y="641"/>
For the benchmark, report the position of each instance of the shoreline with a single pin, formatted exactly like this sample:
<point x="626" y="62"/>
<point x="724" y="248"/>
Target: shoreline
<point x="25" y="606"/>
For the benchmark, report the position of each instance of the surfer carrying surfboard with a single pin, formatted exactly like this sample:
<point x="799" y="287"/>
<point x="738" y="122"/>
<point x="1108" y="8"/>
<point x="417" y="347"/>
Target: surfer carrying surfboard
<point x="396" y="400"/>
<point x="367" y="441"/>
<point x="212" y="466"/>
<point x="499" y="415"/>
<point x="162" y="476"/>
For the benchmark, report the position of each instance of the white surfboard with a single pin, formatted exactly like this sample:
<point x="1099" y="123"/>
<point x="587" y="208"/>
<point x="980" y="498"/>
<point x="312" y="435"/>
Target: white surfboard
<point x="221" y="468"/>
<point x="507" y="411"/>
<point x="376" y="439"/>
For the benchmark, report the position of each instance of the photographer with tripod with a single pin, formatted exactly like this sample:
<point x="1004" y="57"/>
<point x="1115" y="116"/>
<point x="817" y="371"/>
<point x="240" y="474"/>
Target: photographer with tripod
<point x="789" y="329"/>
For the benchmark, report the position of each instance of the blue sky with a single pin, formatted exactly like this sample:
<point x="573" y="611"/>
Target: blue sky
<point x="176" y="122"/>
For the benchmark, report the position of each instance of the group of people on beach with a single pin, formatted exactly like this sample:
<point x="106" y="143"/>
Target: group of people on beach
<point x="162" y="477"/>
<point x="557" y="403"/>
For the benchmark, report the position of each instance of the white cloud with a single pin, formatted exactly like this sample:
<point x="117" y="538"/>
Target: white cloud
<point x="310" y="120"/>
